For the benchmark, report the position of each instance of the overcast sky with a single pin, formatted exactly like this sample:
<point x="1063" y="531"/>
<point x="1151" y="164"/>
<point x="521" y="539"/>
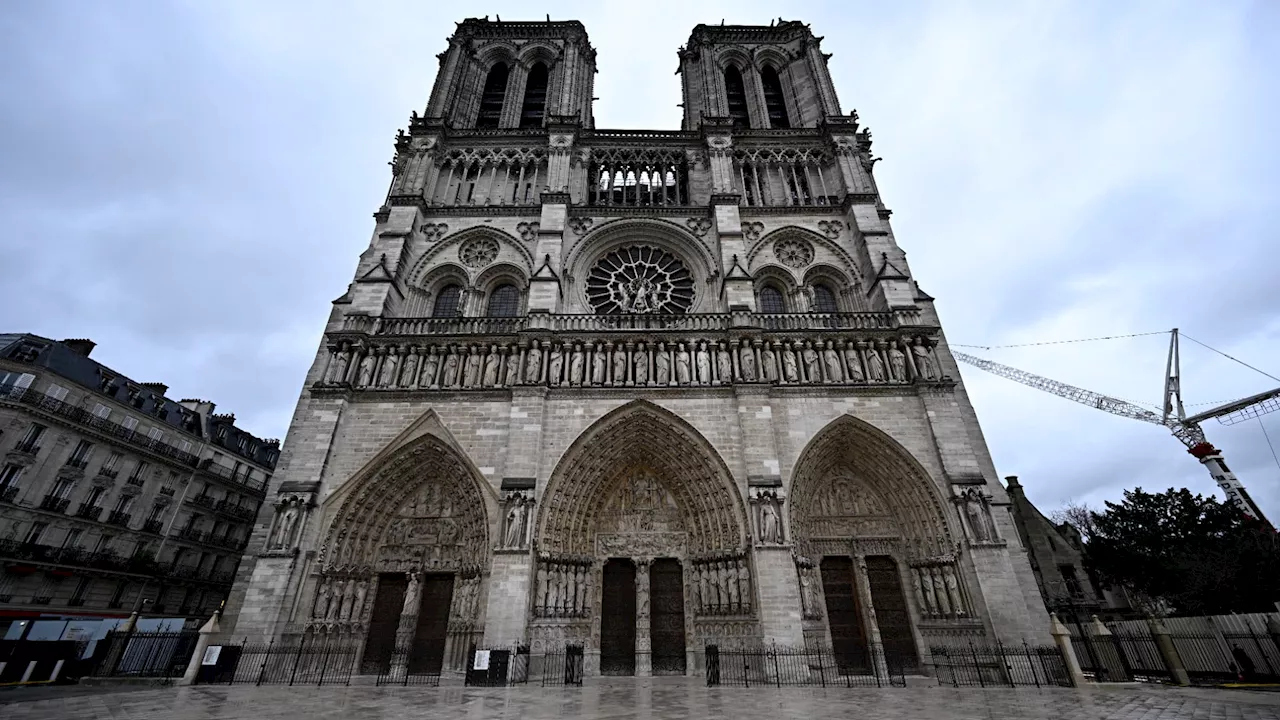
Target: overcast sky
<point x="190" y="183"/>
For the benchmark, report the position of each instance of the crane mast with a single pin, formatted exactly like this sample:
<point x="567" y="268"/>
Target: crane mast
<point x="1186" y="429"/>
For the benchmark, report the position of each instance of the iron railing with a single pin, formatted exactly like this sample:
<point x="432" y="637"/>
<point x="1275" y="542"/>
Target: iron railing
<point x="999" y="665"/>
<point x="779" y="666"/>
<point x="144" y="654"/>
<point x="289" y="660"/>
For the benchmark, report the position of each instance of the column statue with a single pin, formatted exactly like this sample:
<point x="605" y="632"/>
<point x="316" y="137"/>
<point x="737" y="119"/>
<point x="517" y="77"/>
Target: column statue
<point x="533" y="366"/>
<point x="662" y="365"/>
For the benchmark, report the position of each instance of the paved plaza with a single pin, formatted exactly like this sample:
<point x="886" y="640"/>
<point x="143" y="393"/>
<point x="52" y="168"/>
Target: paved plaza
<point x="649" y="700"/>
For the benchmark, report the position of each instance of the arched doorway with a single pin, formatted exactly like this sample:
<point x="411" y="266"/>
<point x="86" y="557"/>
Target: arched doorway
<point x="642" y="547"/>
<point x="403" y="561"/>
<point x="874" y="552"/>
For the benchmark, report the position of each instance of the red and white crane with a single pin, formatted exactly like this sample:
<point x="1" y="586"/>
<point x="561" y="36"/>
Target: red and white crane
<point x="1174" y="417"/>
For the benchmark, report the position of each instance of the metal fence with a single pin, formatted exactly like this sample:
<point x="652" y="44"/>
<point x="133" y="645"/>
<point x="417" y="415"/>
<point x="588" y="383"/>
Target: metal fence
<point x="1130" y="652"/>
<point x="290" y="660"/>
<point x="1000" y="665"/>
<point x="144" y="654"/>
<point x="558" y="668"/>
<point x="777" y="666"/>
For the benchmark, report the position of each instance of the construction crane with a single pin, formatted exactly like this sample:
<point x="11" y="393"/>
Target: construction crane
<point x="1174" y="417"/>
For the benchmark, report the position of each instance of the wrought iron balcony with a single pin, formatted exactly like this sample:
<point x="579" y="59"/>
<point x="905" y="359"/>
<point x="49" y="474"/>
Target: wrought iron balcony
<point x="108" y="473"/>
<point x="166" y="491"/>
<point x="202" y="500"/>
<point x="78" y="557"/>
<point x="153" y="526"/>
<point x="78" y="463"/>
<point x="135" y="480"/>
<point x="88" y="512"/>
<point x="117" y="517"/>
<point x="192" y="534"/>
<point x="54" y="503"/>
<point x="234" y="510"/>
<point x="7" y="494"/>
<point x="26" y="447"/>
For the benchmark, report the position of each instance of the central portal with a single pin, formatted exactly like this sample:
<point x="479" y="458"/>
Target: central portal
<point x="618" y="619"/>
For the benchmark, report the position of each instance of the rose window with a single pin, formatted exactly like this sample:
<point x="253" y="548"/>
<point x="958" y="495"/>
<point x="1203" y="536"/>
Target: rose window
<point x="478" y="252"/>
<point x="639" y="279"/>
<point x="793" y="252"/>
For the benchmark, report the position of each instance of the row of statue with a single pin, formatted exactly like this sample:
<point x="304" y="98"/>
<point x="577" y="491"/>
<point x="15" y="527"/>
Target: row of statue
<point x="634" y="363"/>
<point x="466" y="599"/>
<point x="340" y="600"/>
<point x="721" y="586"/>
<point x="938" y="591"/>
<point x="562" y="589"/>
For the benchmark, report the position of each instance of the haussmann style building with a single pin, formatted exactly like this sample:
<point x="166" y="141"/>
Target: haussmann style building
<point x="639" y="391"/>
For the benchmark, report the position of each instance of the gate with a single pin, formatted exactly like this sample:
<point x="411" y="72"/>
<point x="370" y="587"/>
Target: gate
<point x="848" y="643"/>
<point x="667" y="619"/>
<point x="618" y="619"/>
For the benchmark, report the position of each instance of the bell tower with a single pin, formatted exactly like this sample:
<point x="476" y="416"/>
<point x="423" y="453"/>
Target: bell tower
<point x="514" y="75"/>
<point x="761" y="78"/>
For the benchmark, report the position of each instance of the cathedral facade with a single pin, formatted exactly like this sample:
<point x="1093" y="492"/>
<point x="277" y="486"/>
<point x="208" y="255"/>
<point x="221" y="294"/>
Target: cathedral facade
<point x="639" y="391"/>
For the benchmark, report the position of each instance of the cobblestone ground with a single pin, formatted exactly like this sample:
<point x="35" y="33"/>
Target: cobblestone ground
<point x="642" y="700"/>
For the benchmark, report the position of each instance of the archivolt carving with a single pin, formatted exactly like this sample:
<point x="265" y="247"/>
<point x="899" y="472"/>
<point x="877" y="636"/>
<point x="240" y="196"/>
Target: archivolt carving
<point x="430" y="259"/>
<point x="651" y="231"/>
<point x="641" y="472"/>
<point x="421" y="510"/>
<point x="855" y="484"/>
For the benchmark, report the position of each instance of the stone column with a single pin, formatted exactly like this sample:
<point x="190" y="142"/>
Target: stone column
<point x="644" y="640"/>
<point x="1168" y="652"/>
<point x="407" y="625"/>
<point x="1062" y="638"/>
<point x="863" y="588"/>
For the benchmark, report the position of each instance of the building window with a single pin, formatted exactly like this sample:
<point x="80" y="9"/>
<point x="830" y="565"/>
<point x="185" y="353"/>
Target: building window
<point x="122" y="504"/>
<point x="13" y="384"/>
<point x="736" y="94"/>
<point x="157" y="511"/>
<point x="56" y="392"/>
<point x="102" y="412"/>
<point x="773" y="100"/>
<point x="186" y="446"/>
<point x="1071" y="580"/>
<point x="824" y="301"/>
<point x="771" y="300"/>
<point x="155" y="434"/>
<point x="94" y="497"/>
<point x="112" y="461"/>
<point x="495" y="91"/>
<point x="35" y="533"/>
<point x="31" y="441"/>
<point x="139" y="471"/>
<point x="504" y="301"/>
<point x="448" y="302"/>
<point x="72" y="540"/>
<point x="535" y="97"/>
<point x="82" y="589"/>
<point x="117" y="595"/>
<point x="104" y="544"/>
<point x="9" y="476"/>
<point x="131" y="424"/>
<point x="62" y="488"/>
<point x="80" y="456"/>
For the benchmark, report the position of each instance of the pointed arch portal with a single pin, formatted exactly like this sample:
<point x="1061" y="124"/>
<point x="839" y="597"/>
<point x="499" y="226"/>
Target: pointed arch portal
<point x="640" y="520"/>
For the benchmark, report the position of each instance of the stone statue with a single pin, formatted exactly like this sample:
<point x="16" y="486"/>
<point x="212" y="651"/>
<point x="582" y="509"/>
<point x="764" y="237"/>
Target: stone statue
<point x="940" y="594"/>
<point x="362" y="592"/>
<point x="388" y="377"/>
<point x="284" y="529"/>
<point x="335" y="601"/>
<point x="747" y="361"/>
<point x="810" y="297"/>
<point x="515" y="525"/>
<point x="348" y="595"/>
<point x="640" y="365"/>
<point x="897" y="364"/>
<point x="540" y="600"/>
<point x="472" y="377"/>
<point x="533" y="366"/>
<point x="338" y="369"/>
<point x="322" y="600"/>
<point x="924" y="577"/>
<point x="875" y="366"/>
<point x="704" y="364"/>
<point x="770" y="531"/>
<point x="788" y="364"/>
<point x="413" y="594"/>
<point x="808" y="596"/>
<point x="450" y="375"/>
<point x="769" y="363"/>
<point x="599" y="365"/>
<point x="365" y="378"/>
<point x="811" y="368"/>
<point x="853" y="363"/>
<point x="662" y="365"/>
<point x="512" y="375"/>
<point x="744" y="585"/>
<point x="619" y="365"/>
<point x="953" y="591"/>
<point x="571" y="591"/>
<point x="831" y="363"/>
<point x="430" y="364"/>
<point x="491" y="363"/>
<point x="575" y="365"/>
<point x="555" y="365"/>
<point x="409" y="374"/>
<point x="924" y="360"/>
<point x="682" y="365"/>
<point x="724" y="364"/>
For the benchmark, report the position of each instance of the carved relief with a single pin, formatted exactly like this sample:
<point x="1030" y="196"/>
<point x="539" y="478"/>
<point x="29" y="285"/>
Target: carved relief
<point x="478" y="251"/>
<point x="518" y="507"/>
<point x="793" y="252"/>
<point x="752" y="231"/>
<point x="528" y="231"/>
<point x="291" y="512"/>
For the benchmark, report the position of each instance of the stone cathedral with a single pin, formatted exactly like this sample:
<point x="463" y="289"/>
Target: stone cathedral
<point x="637" y="391"/>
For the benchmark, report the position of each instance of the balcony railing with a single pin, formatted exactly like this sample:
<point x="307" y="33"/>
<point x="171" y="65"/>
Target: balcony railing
<point x="25" y="447"/>
<point x="108" y="473"/>
<point x="202" y="500"/>
<point x="153" y="526"/>
<point x="7" y="494"/>
<point x="78" y="463"/>
<point x="54" y="503"/>
<point x="136" y="480"/>
<point x="166" y="491"/>
<point x="109" y="561"/>
<point x="118" y="517"/>
<point x="192" y="534"/>
<point x="234" y="510"/>
<point x="88" y="512"/>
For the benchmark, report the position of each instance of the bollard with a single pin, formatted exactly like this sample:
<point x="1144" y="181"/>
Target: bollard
<point x="1062" y="637"/>
<point x="1168" y="653"/>
<point x="202" y="643"/>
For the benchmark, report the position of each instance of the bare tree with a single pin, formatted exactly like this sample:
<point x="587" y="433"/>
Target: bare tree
<point x="1077" y="515"/>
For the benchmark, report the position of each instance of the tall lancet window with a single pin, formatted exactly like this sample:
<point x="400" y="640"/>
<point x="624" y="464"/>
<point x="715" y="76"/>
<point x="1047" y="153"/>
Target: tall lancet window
<point x="736" y="94"/>
<point x="773" y="101"/>
<point x="495" y="91"/>
<point x="535" y="97"/>
<point x="448" y="302"/>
